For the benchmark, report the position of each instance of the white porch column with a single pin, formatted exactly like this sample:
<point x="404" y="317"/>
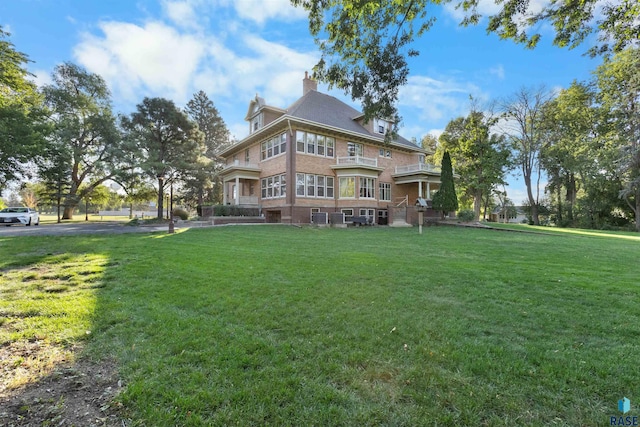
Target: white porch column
<point x="420" y="188"/>
<point x="237" y="201"/>
<point x="224" y="192"/>
<point x="428" y="191"/>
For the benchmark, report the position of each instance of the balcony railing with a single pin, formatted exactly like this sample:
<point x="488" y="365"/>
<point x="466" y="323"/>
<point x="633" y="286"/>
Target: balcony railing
<point x="419" y="167"/>
<point x="239" y="164"/>
<point x="357" y="161"/>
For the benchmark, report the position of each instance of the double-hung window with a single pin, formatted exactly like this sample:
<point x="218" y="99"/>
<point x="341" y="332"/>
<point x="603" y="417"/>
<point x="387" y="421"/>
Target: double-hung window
<point x="317" y="145"/>
<point x="385" y="191"/>
<point x="354" y="149"/>
<point x="367" y="188"/>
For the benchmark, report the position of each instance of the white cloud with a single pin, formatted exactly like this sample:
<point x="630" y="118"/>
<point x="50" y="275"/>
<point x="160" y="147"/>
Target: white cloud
<point x="181" y="12"/>
<point x="484" y="8"/>
<point x="41" y="78"/>
<point x="154" y="57"/>
<point x="497" y="71"/>
<point x="487" y="8"/>
<point x="260" y="11"/>
<point x="438" y="99"/>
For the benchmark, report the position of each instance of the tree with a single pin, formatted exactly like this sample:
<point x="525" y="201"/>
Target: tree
<point x="365" y="43"/>
<point x="169" y="144"/>
<point x="29" y="194"/>
<point x="23" y="125"/>
<point x="55" y="172"/>
<point x="479" y="156"/>
<point x="569" y="130"/>
<point x="618" y="80"/>
<point x="523" y="127"/>
<point x="445" y="199"/>
<point x="216" y="137"/>
<point x="83" y="121"/>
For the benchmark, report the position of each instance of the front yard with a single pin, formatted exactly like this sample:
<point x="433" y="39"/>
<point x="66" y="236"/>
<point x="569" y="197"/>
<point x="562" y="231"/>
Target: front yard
<point x="301" y="326"/>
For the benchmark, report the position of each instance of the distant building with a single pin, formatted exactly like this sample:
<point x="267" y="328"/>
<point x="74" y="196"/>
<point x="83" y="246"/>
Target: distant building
<point x="514" y="214"/>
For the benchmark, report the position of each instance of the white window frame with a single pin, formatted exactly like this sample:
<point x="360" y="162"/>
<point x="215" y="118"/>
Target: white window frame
<point x="384" y="189"/>
<point x="355" y="149"/>
<point x="349" y="183"/>
<point x="348" y="214"/>
<point x="367" y="188"/>
<point x="329" y="182"/>
<point x="272" y="147"/>
<point x="273" y="187"/>
<point x="256" y="123"/>
<point x="315" y="144"/>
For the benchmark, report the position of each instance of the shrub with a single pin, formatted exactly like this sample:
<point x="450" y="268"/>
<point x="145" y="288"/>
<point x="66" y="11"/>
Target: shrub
<point x="232" y="210"/>
<point x="181" y="213"/>
<point x="466" y="215"/>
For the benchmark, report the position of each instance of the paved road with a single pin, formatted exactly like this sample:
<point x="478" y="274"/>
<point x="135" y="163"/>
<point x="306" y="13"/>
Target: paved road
<point x="76" y="228"/>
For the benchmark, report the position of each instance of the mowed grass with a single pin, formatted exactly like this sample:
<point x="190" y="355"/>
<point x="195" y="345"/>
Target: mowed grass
<point x="292" y="326"/>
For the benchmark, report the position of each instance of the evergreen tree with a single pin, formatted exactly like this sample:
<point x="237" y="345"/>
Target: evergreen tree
<point x="169" y="145"/>
<point x="445" y="199"/>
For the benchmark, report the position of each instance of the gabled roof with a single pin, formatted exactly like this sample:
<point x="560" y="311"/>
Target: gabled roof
<point x="327" y="110"/>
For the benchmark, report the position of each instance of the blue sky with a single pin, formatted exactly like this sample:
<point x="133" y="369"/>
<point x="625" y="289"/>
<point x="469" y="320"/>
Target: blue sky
<point x="233" y="49"/>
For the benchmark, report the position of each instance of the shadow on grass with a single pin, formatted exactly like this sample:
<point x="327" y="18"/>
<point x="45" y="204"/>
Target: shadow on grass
<point x="276" y="325"/>
<point x="49" y="296"/>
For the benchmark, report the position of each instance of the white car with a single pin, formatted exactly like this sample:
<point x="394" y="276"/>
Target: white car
<point x="26" y="216"/>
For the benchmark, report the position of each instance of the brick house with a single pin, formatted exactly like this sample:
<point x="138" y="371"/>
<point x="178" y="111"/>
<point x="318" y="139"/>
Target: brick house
<point x="318" y="159"/>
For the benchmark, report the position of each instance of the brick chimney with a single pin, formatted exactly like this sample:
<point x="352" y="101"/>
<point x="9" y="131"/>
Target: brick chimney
<point x="308" y="84"/>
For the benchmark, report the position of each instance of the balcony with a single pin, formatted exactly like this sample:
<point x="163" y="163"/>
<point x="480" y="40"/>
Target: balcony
<point x="419" y="167"/>
<point x="357" y="162"/>
<point x="238" y="165"/>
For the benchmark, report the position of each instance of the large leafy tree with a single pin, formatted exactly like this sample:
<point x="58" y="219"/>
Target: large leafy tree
<point x="81" y="106"/>
<point x="524" y="129"/>
<point x="204" y="186"/>
<point x="23" y="125"/>
<point x="446" y="199"/>
<point x="567" y="155"/>
<point x="365" y="44"/>
<point x="169" y="144"/>
<point x="618" y="81"/>
<point x="479" y="156"/>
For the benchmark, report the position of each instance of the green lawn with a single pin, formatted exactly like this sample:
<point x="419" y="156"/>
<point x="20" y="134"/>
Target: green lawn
<point x="370" y="326"/>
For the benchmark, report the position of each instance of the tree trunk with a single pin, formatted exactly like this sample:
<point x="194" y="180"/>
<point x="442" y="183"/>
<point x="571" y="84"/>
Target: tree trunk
<point x="637" y="210"/>
<point x="559" y="195"/>
<point x="571" y="196"/>
<point x="160" y="197"/>
<point x="68" y="212"/>
<point x="477" y="202"/>
<point x="532" y="202"/>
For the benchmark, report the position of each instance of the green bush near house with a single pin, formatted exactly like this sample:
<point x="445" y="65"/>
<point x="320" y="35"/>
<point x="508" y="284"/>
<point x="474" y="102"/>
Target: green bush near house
<point x="466" y="215"/>
<point x="355" y="327"/>
<point x="233" y="210"/>
<point x="181" y="213"/>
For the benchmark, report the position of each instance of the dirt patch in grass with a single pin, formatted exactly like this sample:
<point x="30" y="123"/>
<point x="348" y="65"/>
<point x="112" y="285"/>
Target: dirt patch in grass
<point x="51" y="390"/>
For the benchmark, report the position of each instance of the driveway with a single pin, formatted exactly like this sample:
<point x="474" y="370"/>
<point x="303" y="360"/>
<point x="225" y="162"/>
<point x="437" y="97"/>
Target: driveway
<point x="78" y="228"/>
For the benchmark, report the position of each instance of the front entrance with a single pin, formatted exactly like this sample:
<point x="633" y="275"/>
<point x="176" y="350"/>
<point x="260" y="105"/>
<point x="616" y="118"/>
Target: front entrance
<point x="274" y="217"/>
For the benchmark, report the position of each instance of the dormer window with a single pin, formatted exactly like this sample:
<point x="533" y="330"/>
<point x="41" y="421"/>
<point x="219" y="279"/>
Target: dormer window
<point x="256" y="123"/>
<point x="380" y="126"/>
